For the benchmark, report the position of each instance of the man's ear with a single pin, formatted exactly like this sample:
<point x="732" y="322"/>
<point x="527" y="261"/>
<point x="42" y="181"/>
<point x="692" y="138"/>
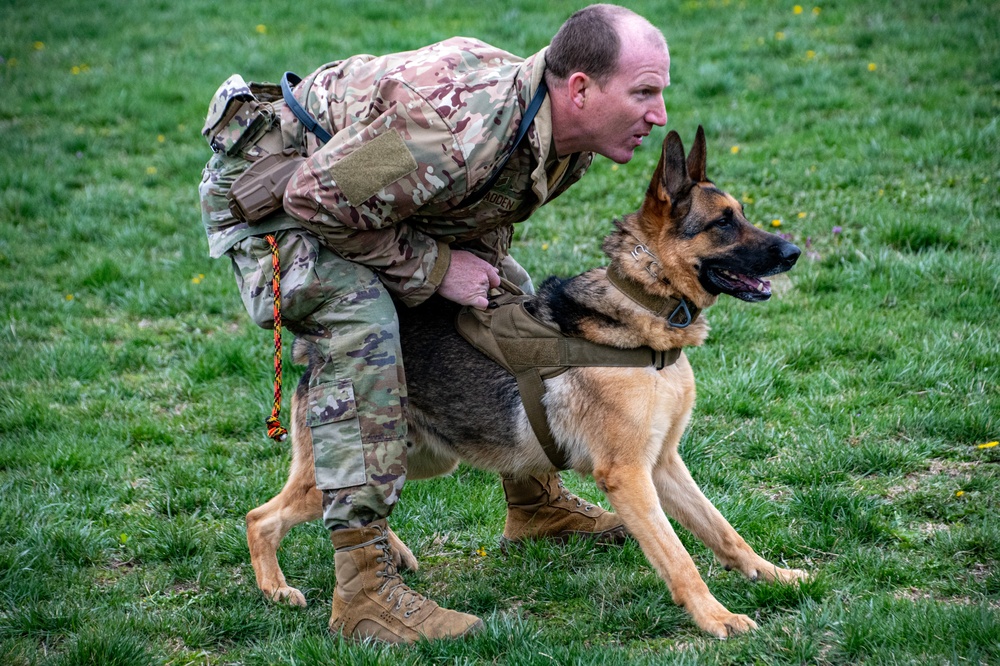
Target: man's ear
<point x="578" y="85"/>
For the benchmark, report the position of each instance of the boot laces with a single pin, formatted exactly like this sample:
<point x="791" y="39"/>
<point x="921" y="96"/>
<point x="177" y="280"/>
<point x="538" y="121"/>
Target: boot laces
<point x="393" y="583"/>
<point x="567" y="496"/>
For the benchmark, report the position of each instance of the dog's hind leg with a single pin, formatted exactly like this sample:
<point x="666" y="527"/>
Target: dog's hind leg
<point x="298" y="502"/>
<point x="633" y="495"/>
<point x="683" y="500"/>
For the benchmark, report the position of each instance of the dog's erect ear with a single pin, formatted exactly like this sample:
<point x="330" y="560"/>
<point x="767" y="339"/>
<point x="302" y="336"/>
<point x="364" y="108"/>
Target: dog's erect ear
<point x="671" y="178"/>
<point x="698" y="157"/>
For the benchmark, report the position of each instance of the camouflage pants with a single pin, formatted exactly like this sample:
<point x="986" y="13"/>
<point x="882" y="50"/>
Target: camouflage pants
<point x="358" y="392"/>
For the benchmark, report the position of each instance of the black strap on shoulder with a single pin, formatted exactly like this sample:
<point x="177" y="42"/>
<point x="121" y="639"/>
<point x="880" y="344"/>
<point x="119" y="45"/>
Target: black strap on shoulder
<point x="522" y="131"/>
<point x="288" y="81"/>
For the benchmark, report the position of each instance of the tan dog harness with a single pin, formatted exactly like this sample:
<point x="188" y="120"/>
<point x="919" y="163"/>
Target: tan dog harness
<point x="533" y="351"/>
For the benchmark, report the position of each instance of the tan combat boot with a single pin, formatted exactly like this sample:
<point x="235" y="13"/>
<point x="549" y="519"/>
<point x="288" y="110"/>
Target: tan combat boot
<point x="541" y="507"/>
<point x="371" y="600"/>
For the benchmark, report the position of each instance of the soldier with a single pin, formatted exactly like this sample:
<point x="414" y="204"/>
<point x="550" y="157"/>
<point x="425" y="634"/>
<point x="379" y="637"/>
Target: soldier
<point x="410" y="196"/>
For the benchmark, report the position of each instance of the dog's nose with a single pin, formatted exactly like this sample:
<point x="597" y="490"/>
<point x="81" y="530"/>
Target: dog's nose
<point x="788" y="253"/>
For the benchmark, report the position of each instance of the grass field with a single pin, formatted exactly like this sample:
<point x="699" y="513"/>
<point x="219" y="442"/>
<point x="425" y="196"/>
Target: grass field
<point x="843" y="427"/>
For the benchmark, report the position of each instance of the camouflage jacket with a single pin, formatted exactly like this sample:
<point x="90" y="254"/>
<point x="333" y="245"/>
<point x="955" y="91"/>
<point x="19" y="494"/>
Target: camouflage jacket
<point x="414" y="134"/>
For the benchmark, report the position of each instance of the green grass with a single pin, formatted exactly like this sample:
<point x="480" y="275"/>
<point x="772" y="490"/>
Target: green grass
<point x="838" y="426"/>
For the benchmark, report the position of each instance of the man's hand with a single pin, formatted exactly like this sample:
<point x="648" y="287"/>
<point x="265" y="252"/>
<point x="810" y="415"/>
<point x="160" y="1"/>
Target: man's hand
<point x="469" y="280"/>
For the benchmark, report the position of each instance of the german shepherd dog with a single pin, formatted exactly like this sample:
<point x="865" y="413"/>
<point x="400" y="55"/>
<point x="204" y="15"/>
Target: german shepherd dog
<point x="688" y="240"/>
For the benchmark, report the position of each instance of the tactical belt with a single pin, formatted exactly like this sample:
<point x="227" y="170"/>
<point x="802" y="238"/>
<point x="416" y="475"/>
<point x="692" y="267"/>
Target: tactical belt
<point x="533" y="351"/>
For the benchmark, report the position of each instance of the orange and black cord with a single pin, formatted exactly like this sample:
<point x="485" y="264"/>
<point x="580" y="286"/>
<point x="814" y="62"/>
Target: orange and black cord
<point x="274" y="429"/>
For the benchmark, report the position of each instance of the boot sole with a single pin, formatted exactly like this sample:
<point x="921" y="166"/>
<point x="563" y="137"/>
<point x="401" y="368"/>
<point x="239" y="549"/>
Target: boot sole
<point x="613" y="537"/>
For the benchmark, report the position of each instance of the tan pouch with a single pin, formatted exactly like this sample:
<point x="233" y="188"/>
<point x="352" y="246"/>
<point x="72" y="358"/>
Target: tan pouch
<point x="260" y="190"/>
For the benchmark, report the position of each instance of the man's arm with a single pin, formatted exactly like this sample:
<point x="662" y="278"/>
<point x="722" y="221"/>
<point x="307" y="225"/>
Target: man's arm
<point x="357" y="192"/>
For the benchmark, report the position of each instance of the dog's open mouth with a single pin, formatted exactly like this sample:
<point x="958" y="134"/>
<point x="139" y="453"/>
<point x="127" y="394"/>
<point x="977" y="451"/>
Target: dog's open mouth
<point x="743" y="287"/>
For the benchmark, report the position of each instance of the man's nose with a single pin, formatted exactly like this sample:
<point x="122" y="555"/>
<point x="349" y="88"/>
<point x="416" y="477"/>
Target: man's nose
<point x="657" y="115"/>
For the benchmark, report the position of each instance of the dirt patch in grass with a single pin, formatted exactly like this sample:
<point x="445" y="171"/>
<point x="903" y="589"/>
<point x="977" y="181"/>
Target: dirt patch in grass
<point x="950" y="469"/>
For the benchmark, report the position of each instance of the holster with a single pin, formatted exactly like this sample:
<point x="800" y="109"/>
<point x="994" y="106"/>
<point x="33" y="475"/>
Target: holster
<point x="260" y="190"/>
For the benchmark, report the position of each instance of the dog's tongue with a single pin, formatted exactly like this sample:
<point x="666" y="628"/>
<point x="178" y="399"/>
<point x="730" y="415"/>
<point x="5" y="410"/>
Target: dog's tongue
<point x="750" y="283"/>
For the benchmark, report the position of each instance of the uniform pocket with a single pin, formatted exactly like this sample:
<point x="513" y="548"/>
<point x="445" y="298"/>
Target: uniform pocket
<point x="337" y="448"/>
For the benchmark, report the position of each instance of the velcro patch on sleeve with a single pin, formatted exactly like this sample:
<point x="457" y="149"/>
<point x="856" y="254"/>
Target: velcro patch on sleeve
<point x="372" y="167"/>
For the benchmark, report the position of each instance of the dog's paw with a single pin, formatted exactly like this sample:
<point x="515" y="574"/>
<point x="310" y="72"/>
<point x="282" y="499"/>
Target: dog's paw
<point x="723" y="624"/>
<point x="287" y="595"/>
<point x="761" y="569"/>
<point x="792" y="576"/>
<point x="775" y="574"/>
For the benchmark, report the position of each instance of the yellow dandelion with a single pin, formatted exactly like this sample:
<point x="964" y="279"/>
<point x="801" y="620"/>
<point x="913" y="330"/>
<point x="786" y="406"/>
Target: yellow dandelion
<point x="779" y="36"/>
<point x="614" y="167"/>
<point x="151" y="171"/>
<point x="545" y="246"/>
<point x="959" y="493"/>
<point x="69" y="297"/>
<point x="481" y="552"/>
<point x="810" y="55"/>
<point x="160" y="138"/>
<point x="872" y="67"/>
<point x="881" y="192"/>
<point x="262" y="29"/>
<point x="797" y="9"/>
<point x="196" y="280"/>
<point x="734" y="150"/>
<point x="987" y="445"/>
<point x="12" y="62"/>
<point x="816" y="11"/>
<point x="75" y="69"/>
<point x="775" y="223"/>
<point x="39" y="46"/>
<point x="802" y="214"/>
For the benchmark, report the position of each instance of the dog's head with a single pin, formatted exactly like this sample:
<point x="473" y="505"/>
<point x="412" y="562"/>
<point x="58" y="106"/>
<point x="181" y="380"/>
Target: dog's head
<point x="704" y="242"/>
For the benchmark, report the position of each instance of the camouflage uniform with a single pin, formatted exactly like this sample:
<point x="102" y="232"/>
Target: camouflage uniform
<point x="372" y="216"/>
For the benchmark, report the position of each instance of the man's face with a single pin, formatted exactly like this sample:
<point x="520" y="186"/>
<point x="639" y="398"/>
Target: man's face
<point x="631" y="101"/>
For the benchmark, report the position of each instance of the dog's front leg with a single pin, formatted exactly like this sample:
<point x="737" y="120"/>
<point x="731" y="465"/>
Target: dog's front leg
<point x="633" y="495"/>
<point x="681" y="497"/>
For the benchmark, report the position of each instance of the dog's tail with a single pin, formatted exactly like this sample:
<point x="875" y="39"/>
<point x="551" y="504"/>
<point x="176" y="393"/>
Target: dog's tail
<point x="300" y="351"/>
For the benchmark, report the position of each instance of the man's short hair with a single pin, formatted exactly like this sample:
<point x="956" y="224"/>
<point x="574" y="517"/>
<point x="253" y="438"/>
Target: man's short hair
<point x="588" y="42"/>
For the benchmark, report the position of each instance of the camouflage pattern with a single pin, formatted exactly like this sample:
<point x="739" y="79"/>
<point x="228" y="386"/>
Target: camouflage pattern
<point x="456" y="107"/>
<point x="235" y="118"/>
<point x="355" y="230"/>
<point x="358" y="394"/>
<point x="233" y="89"/>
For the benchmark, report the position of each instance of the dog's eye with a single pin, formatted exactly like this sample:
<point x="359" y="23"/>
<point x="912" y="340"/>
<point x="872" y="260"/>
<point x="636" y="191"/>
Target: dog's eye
<point x="723" y="222"/>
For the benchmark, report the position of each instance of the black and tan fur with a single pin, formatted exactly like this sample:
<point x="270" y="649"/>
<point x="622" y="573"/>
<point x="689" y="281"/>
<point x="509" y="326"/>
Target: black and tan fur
<point x="621" y="425"/>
